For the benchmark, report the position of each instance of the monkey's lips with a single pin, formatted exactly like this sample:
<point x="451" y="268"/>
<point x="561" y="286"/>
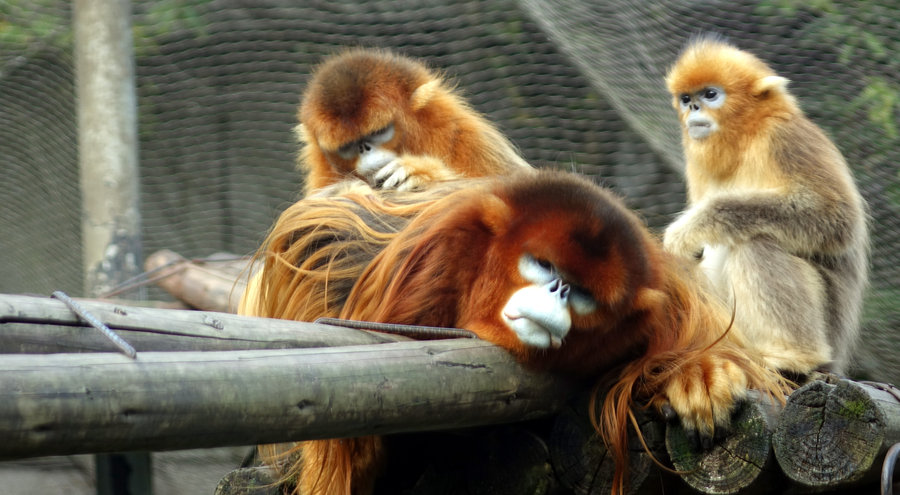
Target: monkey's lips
<point x="700" y="127"/>
<point x="536" y="330"/>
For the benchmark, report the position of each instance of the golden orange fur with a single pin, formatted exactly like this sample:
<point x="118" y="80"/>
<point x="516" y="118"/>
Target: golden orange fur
<point x="435" y="134"/>
<point x="772" y="207"/>
<point x="448" y="258"/>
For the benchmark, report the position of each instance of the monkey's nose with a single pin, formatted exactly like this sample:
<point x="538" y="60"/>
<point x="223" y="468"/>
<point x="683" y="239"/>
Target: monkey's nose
<point x="560" y="288"/>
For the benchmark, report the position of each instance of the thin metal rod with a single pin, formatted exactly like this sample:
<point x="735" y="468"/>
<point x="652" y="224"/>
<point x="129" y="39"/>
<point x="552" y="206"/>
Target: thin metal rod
<point x="76" y="308"/>
<point x="887" y="469"/>
<point x="412" y="331"/>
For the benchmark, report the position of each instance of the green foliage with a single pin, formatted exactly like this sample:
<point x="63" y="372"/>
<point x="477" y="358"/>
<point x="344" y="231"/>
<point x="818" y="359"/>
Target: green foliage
<point x="864" y="111"/>
<point x="164" y="17"/>
<point x="39" y="25"/>
<point x="881" y="100"/>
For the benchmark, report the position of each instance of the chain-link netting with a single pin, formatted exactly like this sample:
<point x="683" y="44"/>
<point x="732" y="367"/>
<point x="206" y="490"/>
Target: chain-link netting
<point x="575" y="84"/>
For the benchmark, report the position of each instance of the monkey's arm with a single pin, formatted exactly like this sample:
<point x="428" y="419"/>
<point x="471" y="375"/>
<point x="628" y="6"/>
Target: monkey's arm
<point x="801" y="221"/>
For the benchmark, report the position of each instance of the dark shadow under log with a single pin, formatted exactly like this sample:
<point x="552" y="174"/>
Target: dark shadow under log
<point x="583" y="464"/>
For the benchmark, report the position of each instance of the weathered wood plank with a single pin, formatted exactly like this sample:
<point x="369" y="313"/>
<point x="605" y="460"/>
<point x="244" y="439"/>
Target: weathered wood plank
<point x="43" y="325"/>
<point x="104" y="402"/>
<point x="835" y="435"/>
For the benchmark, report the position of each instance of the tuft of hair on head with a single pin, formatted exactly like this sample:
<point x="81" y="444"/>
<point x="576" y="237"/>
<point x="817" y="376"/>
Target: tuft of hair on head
<point x="355" y="91"/>
<point x="710" y="59"/>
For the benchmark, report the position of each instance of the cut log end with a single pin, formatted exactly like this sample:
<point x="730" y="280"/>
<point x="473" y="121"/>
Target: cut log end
<point x="731" y="465"/>
<point x="829" y="434"/>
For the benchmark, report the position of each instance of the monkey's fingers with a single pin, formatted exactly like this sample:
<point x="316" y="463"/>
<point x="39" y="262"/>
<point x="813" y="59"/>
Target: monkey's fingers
<point x="393" y="176"/>
<point x="703" y="397"/>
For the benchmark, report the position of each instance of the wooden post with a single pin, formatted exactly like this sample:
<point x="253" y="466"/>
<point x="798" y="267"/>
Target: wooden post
<point x="108" y="164"/>
<point x="107" y="143"/>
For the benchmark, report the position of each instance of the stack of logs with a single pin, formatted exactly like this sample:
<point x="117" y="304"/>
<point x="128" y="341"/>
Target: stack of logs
<point x="461" y="415"/>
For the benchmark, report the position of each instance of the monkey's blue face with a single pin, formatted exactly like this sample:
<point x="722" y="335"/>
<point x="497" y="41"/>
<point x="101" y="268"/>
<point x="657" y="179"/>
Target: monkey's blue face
<point x="695" y="110"/>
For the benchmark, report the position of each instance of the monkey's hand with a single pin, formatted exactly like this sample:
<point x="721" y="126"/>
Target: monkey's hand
<point x="410" y="172"/>
<point x="683" y="236"/>
<point x="703" y="393"/>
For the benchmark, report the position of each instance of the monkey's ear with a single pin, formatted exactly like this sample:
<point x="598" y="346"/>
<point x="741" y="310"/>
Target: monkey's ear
<point x="300" y="133"/>
<point x="495" y="214"/>
<point x="423" y="94"/>
<point x="769" y="83"/>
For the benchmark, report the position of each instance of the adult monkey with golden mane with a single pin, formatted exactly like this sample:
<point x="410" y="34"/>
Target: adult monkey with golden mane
<point x="547" y="265"/>
<point x="773" y="212"/>
<point x="389" y="120"/>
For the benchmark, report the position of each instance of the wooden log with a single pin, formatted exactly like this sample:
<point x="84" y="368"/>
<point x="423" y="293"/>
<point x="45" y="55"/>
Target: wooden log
<point x="65" y="404"/>
<point x="835" y="435"/>
<point x="43" y="325"/>
<point x="739" y="462"/>
<point x="212" y="284"/>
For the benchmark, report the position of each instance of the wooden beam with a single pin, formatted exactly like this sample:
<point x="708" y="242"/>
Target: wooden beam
<point x="105" y="402"/>
<point x="43" y="325"/>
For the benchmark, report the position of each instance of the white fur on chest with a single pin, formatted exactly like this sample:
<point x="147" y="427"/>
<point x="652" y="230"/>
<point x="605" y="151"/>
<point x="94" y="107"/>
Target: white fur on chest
<point x="713" y="264"/>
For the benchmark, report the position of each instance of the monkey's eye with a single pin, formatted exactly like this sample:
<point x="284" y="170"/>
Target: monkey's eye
<point x="382" y="135"/>
<point x="685" y="99"/>
<point x="536" y="271"/>
<point x="713" y="97"/>
<point x="349" y="150"/>
<point x="581" y="300"/>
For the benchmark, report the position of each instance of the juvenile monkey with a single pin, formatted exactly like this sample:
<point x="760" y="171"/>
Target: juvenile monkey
<point x="389" y="120"/>
<point x="774" y="214"/>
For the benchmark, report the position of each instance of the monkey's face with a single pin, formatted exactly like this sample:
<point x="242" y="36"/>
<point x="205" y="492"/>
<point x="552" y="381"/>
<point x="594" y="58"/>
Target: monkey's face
<point x="566" y="273"/>
<point x="366" y="155"/>
<point x="540" y="313"/>
<point x="698" y="109"/>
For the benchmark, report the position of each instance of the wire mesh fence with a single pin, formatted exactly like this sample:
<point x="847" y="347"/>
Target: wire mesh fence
<point x="577" y="85"/>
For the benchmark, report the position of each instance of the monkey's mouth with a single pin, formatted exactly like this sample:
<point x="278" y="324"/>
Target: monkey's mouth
<point x="541" y="334"/>
<point x="699" y="130"/>
<point x="698" y="127"/>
